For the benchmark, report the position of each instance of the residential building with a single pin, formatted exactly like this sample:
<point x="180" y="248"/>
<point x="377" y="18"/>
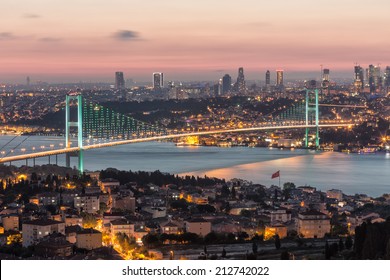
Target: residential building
<point x="121" y="226"/>
<point x="10" y="222"/>
<point x="34" y="231"/>
<point x="313" y="224"/>
<point x="199" y="226"/>
<point x="87" y="203"/>
<point x="280" y="216"/>
<point x="89" y="239"/>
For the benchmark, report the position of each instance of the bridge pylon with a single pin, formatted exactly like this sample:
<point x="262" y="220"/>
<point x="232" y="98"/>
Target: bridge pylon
<point x="79" y="125"/>
<point x="310" y="108"/>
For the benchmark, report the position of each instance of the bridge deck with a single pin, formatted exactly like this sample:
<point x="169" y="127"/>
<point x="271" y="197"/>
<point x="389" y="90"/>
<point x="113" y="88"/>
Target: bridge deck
<point x="157" y="138"/>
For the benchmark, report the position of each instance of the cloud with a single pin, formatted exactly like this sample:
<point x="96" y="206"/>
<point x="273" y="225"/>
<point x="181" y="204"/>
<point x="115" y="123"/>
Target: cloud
<point x="126" y="35"/>
<point x="31" y="16"/>
<point x="6" y="36"/>
<point x="49" y="39"/>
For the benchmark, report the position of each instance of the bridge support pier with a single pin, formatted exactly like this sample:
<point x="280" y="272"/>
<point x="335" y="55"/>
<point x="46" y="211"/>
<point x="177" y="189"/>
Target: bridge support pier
<point x="78" y="125"/>
<point x="33" y="162"/>
<point x="26" y="162"/>
<point x="49" y="160"/>
<point x="316" y="117"/>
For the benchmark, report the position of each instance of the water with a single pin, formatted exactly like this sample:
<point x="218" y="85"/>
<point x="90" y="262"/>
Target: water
<point x="351" y="173"/>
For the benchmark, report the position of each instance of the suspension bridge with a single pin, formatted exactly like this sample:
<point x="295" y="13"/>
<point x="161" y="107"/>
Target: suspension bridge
<point x="100" y="127"/>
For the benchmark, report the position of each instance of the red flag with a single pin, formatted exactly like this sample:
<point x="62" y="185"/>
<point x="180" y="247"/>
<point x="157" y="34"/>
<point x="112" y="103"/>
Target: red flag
<point x="276" y="175"/>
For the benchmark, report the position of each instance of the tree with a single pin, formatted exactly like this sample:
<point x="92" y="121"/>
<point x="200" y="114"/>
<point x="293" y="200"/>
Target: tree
<point x="348" y="242"/>
<point x="225" y="190"/>
<point x="233" y="192"/>
<point x="284" y="255"/>
<point x="102" y="207"/>
<point x="341" y="245"/>
<point x="150" y="240"/>
<point x="328" y="254"/>
<point x="223" y="255"/>
<point x="254" y="248"/>
<point x="277" y="242"/>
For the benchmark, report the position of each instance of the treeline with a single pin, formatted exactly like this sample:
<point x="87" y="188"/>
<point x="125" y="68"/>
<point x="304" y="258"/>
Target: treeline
<point x="158" y="178"/>
<point x="372" y="241"/>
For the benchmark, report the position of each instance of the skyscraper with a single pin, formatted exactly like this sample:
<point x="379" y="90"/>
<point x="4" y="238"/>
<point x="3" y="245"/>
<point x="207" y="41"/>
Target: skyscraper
<point x="226" y="84"/>
<point x="119" y="80"/>
<point x="374" y="77"/>
<point x="241" y="81"/>
<point x="359" y="77"/>
<point x="28" y="81"/>
<point x="386" y="82"/>
<point x="279" y="78"/>
<point x="158" y="80"/>
<point x="325" y="79"/>
<point x="267" y="78"/>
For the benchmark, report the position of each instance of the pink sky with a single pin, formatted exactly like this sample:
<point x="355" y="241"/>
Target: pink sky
<point x="56" y="40"/>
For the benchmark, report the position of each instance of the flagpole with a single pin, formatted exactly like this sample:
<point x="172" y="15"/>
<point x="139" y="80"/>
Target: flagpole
<point x="279" y="179"/>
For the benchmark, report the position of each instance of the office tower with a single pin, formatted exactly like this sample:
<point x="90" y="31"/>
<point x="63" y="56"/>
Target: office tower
<point x="267" y="78"/>
<point x="279" y="78"/>
<point x="359" y="77"/>
<point x="28" y="81"/>
<point x="325" y="75"/>
<point x="226" y="84"/>
<point x="374" y="77"/>
<point x="241" y="81"/>
<point x="325" y="80"/>
<point x="158" y="80"/>
<point x="119" y="80"/>
<point x="387" y="77"/>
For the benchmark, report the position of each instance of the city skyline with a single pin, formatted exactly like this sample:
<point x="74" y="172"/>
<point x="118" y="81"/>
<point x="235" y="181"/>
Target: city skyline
<point x="190" y="42"/>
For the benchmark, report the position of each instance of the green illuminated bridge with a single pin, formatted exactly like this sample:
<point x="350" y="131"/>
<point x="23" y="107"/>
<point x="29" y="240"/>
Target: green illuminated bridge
<point x="101" y="127"/>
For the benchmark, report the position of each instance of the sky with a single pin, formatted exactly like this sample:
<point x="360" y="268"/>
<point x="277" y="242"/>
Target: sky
<point x="89" y="40"/>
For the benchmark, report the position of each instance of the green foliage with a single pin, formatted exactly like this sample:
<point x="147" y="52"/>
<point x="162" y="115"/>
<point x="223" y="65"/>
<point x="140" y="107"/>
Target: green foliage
<point x="89" y="220"/>
<point x="158" y="178"/>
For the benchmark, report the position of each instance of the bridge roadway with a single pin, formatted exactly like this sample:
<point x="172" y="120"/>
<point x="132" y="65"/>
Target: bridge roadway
<point x="157" y="138"/>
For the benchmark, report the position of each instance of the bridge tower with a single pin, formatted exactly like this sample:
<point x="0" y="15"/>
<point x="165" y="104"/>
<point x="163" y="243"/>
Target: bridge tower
<point x="312" y="109"/>
<point x="79" y="125"/>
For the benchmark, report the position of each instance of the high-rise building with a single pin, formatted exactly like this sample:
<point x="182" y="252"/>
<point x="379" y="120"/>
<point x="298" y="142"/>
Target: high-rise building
<point x="241" y="81"/>
<point x="158" y="80"/>
<point x="119" y="80"/>
<point x="359" y="77"/>
<point x="268" y="78"/>
<point x="325" y="79"/>
<point x="28" y="81"/>
<point x="374" y="77"/>
<point x="226" y="84"/>
<point x="386" y="82"/>
<point x="279" y="77"/>
<point x="325" y="75"/>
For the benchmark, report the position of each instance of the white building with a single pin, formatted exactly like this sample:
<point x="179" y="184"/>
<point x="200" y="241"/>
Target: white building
<point x="89" y="204"/>
<point x="34" y="231"/>
<point x="280" y="216"/>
